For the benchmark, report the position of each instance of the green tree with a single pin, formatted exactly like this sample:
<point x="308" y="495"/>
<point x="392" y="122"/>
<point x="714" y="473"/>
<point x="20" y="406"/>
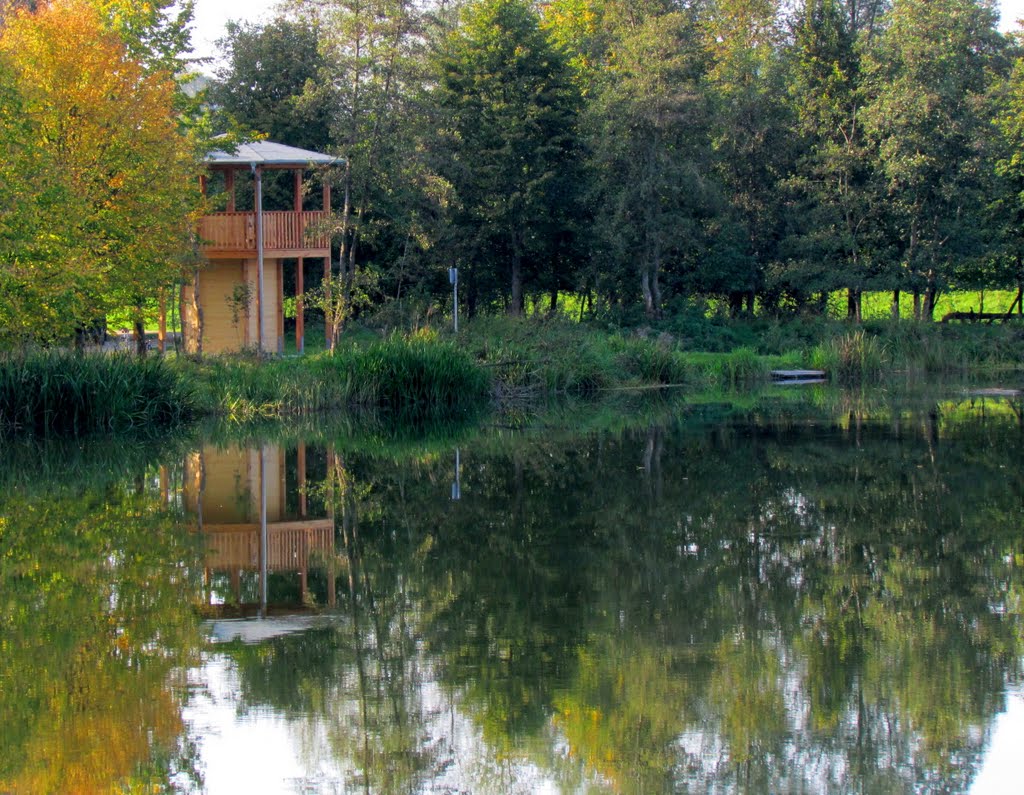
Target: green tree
<point x="511" y="142"/>
<point x="835" y="236"/>
<point x="647" y="128"/>
<point x="928" y="77"/>
<point x="750" y="133"/>
<point x="107" y="178"/>
<point x="263" y="83"/>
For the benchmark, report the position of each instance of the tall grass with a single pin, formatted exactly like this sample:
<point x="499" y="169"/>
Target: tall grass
<point x="413" y="375"/>
<point x="64" y="393"/>
<point x="852" y="358"/>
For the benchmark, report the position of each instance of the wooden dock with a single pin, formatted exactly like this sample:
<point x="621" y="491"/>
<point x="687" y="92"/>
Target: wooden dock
<point x="798" y="377"/>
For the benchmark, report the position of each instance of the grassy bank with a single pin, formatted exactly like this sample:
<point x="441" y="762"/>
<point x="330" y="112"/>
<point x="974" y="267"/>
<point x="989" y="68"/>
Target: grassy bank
<point x="496" y="359"/>
<point x="65" y="394"/>
<point x="417" y="375"/>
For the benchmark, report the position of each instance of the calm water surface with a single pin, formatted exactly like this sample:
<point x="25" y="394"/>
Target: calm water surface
<point x="822" y="595"/>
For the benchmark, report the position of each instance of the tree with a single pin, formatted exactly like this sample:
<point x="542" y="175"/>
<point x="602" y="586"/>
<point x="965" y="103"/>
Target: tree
<point x="109" y="174"/>
<point x="750" y="128"/>
<point x="510" y="140"/>
<point x="263" y="84"/>
<point x="835" y="182"/>
<point x="1007" y="209"/>
<point x="648" y="133"/>
<point x="928" y="77"/>
<point x="372" y="51"/>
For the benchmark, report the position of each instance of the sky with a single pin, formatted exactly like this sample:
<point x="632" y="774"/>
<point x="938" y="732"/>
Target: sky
<point x="212" y="15"/>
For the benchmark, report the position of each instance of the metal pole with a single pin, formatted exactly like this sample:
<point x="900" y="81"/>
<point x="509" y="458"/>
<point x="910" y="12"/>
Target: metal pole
<point x="453" y="277"/>
<point x="264" y="540"/>
<point x="457" y="485"/>
<point x="259" y="255"/>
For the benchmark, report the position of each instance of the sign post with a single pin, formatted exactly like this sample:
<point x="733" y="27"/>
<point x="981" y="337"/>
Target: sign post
<point x="453" y="278"/>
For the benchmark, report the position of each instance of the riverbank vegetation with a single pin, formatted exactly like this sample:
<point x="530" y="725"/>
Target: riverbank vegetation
<point x="505" y="363"/>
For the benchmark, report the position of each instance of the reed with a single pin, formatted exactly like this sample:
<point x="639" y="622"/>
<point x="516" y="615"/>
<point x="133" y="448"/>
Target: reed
<point x="412" y="374"/>
<point x="401" y="374"/>
<point x="852" y="358"/>
<point x="64" y="393"/>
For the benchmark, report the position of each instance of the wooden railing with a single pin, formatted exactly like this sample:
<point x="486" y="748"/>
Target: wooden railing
<point x="238" y="546"/>
<point x="281" y="231"/>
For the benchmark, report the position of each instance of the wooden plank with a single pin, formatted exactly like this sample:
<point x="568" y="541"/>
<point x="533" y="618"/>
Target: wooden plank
<point x="248" y="527"/>
<point x="780" y="375"/>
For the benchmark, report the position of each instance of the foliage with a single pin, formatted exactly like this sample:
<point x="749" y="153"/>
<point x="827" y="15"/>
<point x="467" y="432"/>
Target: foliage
<point x="851" y="358"/>
<point x="101" y="169"/>
<point x="64" y="393"/>
<point x="510" y="146"/>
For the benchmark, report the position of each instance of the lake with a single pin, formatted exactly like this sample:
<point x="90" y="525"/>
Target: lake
<point x="791" y="592"/>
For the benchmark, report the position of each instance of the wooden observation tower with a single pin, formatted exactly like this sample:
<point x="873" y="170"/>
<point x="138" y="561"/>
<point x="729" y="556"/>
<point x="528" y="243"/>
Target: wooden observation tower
<point x="237" y="301"/>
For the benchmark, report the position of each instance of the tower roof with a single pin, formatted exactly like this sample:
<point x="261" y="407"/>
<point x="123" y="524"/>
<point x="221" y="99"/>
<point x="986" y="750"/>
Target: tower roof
<point x="269" y="153"/>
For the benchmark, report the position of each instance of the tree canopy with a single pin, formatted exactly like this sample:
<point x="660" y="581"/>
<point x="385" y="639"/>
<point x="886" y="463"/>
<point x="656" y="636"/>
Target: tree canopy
<point x="100" y="174"/>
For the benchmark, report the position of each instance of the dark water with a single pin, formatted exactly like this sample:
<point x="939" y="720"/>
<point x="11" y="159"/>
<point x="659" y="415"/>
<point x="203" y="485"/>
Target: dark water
<point x="793" y="596"/>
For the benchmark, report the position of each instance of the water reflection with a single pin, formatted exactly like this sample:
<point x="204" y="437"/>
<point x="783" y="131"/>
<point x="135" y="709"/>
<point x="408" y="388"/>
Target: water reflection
<point x="823" y="603"/>
<point x="828" y="599"/>
<point x="98" y="574"/>
<point x="261" y="522"/>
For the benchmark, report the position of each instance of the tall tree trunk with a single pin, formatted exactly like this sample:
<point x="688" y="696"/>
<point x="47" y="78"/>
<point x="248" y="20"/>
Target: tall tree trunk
<point x="853" y="304"/>
<point x="894" y="307"/>
<point x="645" y="287"/>
<point x="515" y="308"/>
<point x="735" y="303"/>
<point x="931" y="295"/>
<point x="139" y="332"/>
<point x="656" y="285"/>
<point x="751" y="297"/>
<point x="917" y="304"/>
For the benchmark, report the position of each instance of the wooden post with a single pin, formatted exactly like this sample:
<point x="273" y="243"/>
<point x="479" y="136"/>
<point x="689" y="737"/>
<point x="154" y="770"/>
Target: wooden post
<point x="202" y="185"/>
<point x="328" y="336"/>
<point x="297" y="183"/>
<point x="300" y="320"/>
<point x="332" y="588"/>
<point x="229" y="186"/>
<point x="162" y="330"/>
<point x="327" y="196"/>
<point x="303" y="505"/>
<point x="260" y="344"/>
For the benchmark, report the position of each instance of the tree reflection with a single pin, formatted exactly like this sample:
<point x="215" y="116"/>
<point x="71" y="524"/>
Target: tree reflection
<point x="99" y="575"/>
<point x="775" y="603"/>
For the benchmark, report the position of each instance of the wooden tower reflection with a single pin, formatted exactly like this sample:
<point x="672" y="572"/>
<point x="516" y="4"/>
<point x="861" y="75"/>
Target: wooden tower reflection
<point x="262" y="527"/>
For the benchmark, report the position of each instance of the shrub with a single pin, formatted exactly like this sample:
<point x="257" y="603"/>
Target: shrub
<point x="852" y="358"/>
<point x="72" y="394"/>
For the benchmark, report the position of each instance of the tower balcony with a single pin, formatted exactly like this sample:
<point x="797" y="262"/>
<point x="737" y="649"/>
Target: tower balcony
<point x="232" y="235"/>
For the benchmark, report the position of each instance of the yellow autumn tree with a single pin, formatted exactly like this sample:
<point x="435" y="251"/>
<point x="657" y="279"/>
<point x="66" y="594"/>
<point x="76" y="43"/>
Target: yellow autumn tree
<point x="99" y="167"/>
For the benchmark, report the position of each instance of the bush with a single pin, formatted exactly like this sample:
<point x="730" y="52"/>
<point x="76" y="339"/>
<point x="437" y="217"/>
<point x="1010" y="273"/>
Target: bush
<point x="66" y="393"/>
<point x="852" y="358"/>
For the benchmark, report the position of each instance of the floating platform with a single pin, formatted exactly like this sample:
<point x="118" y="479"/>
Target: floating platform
<point x="801" y="376"/>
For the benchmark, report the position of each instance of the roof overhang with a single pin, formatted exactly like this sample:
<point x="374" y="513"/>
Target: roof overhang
<point x="269" y="154"/>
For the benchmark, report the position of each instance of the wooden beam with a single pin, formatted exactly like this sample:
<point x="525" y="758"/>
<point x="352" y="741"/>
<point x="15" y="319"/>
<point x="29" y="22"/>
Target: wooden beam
<point x="327" y="196"/>
<point x="252" y="527"/>
<point x="297" y="182"/>
<point x="327" y="302"/>
<point x="303" y="505"/>
<point x="300" y="320"/>
<point x="162" y="329"/>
